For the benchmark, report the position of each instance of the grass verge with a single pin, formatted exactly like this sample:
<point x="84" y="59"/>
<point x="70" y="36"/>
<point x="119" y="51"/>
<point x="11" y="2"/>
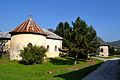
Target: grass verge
<point x="110" y="57"/>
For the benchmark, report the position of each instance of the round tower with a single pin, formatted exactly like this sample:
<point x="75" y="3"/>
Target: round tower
<point x="25" y="33"/>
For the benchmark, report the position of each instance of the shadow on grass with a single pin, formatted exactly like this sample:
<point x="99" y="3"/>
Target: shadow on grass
<point x="62" y="61"/>
<point x="79" y="74"/>
<point x="65" y="61"/>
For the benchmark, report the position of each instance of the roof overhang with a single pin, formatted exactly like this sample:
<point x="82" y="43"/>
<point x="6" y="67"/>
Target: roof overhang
<point x="54" y="38"/>
<point x="5" y="38"/>
<point x="16" y="33"/>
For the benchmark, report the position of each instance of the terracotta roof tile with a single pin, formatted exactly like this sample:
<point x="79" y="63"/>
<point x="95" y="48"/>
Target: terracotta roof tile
<point x="29" y="26"/>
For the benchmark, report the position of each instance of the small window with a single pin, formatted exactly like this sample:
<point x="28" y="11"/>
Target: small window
<point x="101" y="50"/>
<point x="47" y="47"/>
<point x="55" y="48"/>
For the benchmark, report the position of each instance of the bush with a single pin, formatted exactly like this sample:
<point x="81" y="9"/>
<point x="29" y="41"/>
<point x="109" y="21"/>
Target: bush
<point x="33" y="54"/>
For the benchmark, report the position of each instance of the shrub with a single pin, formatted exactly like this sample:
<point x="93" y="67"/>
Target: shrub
<point x="33" y="54"/>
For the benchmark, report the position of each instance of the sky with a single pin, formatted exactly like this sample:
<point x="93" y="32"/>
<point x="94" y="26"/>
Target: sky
<point x="103" y="15"/>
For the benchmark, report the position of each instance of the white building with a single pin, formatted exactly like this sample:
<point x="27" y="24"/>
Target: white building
<point x="30" y="32"/>
<point x="104" y="51"/>
<point x="4" y="46"/>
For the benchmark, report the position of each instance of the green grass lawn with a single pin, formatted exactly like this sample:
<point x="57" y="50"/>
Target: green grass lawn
<point x="110" y="57"/>
<point x="12" y="70"/>
<point x="117" y="56"/>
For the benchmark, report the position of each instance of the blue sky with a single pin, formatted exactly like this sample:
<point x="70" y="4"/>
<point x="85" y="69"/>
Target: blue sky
<point x="104" y="15"/>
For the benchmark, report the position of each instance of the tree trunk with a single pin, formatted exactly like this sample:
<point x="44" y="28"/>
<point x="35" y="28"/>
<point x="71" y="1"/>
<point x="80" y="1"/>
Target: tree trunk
<point x="75" y="62"/>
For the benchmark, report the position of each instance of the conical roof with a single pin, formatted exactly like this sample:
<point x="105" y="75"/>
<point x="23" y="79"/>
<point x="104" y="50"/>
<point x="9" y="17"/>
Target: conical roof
<point x="28" y="26"/>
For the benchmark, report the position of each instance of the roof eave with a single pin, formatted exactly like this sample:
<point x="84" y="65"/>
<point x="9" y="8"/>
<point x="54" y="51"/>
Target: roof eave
<point x="16" y="33"/>
<point x="54" y="38"/>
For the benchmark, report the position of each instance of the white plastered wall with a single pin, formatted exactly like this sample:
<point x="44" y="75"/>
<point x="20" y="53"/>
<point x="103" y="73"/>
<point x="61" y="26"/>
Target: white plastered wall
<point x="104" y="53"/>
<point x="21" y="40"/>
<point x="51" y="51"/>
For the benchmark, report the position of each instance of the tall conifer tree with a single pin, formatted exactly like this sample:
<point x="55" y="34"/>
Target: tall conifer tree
<point x="79" y="39"/>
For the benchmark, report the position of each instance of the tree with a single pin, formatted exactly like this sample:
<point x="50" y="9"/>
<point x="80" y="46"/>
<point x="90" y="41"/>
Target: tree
<point x="60" y="30"/>
<point x="79" y="39"/>
<point x="113" y="50"/>
<point x="33" y="54"/>
<point x="64" y="30"/>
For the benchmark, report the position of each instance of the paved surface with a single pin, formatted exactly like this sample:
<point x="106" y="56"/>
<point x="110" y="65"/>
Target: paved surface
<point x="110" y="70"/>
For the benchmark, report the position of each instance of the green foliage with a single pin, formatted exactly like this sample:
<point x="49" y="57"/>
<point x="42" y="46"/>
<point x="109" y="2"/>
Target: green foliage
<point x="117" y="51"/>
<point x="114" y="51"/>
<point x="78" y="39"/>
<point x="33" y="54"/>
<point x="111" y="50"/>
<point x="64" y="30"/>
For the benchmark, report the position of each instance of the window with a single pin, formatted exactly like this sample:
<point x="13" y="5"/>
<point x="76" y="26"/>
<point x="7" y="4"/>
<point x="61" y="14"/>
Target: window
<point x="101" y="50"/>
<point x="55" y="48"/>
<point x="47" y="47"/>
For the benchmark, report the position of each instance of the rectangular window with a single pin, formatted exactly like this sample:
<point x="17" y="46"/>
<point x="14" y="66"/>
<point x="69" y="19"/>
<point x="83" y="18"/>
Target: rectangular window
<point x="55" y="48"/>
<point x="101" y="50"/>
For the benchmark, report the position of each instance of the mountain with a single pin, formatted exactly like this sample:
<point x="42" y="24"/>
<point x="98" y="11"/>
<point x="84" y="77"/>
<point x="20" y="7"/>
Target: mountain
<point x="115" y="44"/>
<point x="102" y="42"/>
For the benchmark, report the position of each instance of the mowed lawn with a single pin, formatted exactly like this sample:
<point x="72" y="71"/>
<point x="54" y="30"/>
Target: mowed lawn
<point x="12" y="70"/>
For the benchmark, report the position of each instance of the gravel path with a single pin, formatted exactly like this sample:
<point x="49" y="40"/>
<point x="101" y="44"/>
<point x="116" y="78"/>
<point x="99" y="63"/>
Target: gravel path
<point x="110" y="70"/>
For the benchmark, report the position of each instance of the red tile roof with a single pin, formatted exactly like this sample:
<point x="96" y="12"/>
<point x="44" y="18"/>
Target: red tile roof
<point x="28" y="26"/>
